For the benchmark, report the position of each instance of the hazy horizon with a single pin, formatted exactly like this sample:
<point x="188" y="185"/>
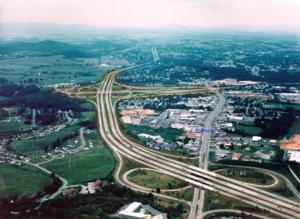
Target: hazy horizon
<point x="279" y="15"/>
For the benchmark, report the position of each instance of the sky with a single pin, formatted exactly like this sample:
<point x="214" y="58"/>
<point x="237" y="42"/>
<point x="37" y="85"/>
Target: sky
<point x="254" y="14"/>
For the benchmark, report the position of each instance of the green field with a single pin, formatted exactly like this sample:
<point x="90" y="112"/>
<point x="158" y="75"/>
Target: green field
<point x="38" y="145"/>
<point x="45" y="70"/>
<point x="87" y="116"/>
<point x="216" y="201"/>
<point x="168" y="134"/>
<point x="282" y="189"/>
<point x="248" y="175"/>
<point x="249" y="130"/>
<point x="153" y="179"/>
<point x="84" y="166"/>
<point x="186" y="194"/>
<point x="13" y="127"/>
<point x="25" y="180"/>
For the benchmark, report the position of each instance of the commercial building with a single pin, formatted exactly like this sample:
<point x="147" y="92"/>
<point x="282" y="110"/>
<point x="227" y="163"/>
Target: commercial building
<point x="137" y="210"/>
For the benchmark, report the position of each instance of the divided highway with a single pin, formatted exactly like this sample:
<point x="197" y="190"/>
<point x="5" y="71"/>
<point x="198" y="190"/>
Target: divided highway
<point x="110" y="131"/>
<point x="198" y="198"/>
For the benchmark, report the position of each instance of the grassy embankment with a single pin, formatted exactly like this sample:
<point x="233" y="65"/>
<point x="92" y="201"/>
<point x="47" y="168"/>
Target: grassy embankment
<point x="153" y="179"/>
<point x="246" y="175"/>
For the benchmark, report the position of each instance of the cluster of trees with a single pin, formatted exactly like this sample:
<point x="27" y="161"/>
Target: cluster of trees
<point x="55" y="185"/>
<point x="68" y="50"/>
<point x="3" y="114"/>
<point x="8" y="88"/>
<point x="166" y="74"/>
<point x="57" y="143"/>
<point x="34" y="97"/>
<point x="99" y="205"/>
<point x="22" y="204"/>
<point x="171" y="101"/>
<point x="276" y="127"/>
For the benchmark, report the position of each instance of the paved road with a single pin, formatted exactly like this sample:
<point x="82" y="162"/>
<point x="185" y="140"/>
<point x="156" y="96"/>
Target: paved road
<point x="155" y="54"/>
<point x="64" y="181"/>
<point x="112" y="135"/>
<point x="287" y="181"/>
<point x="236" y="212"/>
<point x="294" y="174"/>
<point x="199" y="194"/>
<point x="82" y="139"/>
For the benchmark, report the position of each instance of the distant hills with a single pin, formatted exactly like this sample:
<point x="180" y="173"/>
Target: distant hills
<point x="69" y="50"/>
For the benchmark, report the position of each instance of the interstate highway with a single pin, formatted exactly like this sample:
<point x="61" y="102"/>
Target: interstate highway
<point x="112" y="135"/>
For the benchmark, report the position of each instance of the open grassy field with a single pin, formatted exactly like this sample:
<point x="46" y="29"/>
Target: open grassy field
<point x="247" y="175"/>
<point x="115" y="100"/>
<point x="153" y="179"/>
<point x="232" y="215"/>
<point x="7" y="127"/>
<point x="87" y="116"/>
<point x="91" y="88"/>
<point x="249" y="130"/>
<point x="120" y="95"/>
<point x="129" y="164"/>
<point x="216" y="201"/>
<point x="28" y="146"/>
<point x="168" y="134"/>
<point x="282" y="189"/>
<point x="84" y="166"/>
<point x="45" y="70"/>
<point x="25" y="180"/>
<point x="186" y="194"/>
<point x="118" y="87"/>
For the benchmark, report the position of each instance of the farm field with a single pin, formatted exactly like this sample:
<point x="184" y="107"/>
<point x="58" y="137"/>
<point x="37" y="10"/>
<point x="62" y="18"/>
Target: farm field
<point x="48" y="70"/>
<point x="19" y="181"/>
<point x="84" y="166"/>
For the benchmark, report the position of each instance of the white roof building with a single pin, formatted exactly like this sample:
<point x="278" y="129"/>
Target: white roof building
<point x="157" y="138"/>
<point x="256" y="138"/>
<point x="137" y="210"/>
<point x="227" y="125"/>
<point x="177" y="125"/>
<point x="126" y="119"/>
<point x="236" y="118"/>
<point x="272" y="141"/>
<point x="294" y="156"/>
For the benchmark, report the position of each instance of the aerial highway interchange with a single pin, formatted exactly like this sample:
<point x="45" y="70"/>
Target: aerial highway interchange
<point x="200" y="177"/>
